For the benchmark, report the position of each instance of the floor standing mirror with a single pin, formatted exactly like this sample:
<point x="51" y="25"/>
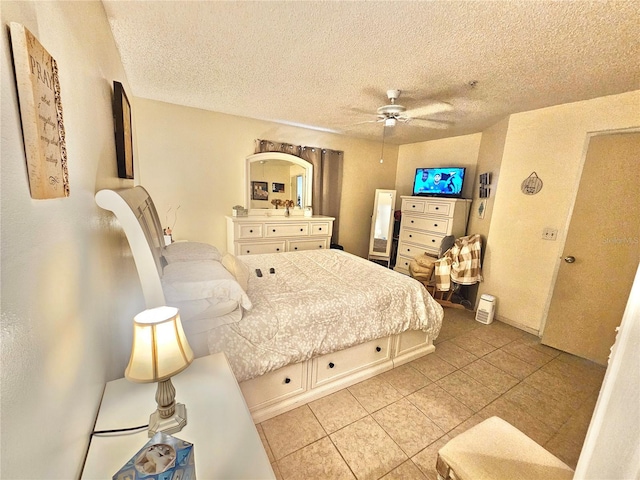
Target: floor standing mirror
<point x="381" y="237"/>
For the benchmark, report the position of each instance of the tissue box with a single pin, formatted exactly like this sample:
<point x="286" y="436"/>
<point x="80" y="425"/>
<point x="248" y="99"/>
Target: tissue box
<point x="162" y="458"/>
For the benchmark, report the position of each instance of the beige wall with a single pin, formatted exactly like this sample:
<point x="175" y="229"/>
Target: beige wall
<point x="520" y="266"/>
<point x="69" y="290"/>
<point x="489" y="161"/>
<point x="196" y="159"/>
<point x="455" y="151"/>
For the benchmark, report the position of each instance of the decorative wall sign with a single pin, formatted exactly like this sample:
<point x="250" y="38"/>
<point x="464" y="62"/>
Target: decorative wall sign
<point x="123" y="131"/>
<point x="41" y="114"/>
<point x="531" y="185"/>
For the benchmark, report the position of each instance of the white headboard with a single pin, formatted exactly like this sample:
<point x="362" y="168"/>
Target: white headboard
<point x="138" y="216"/>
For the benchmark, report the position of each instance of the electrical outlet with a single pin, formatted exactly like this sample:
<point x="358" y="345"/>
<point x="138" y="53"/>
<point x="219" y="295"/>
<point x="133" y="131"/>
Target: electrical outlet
<point x="549" y="233"/>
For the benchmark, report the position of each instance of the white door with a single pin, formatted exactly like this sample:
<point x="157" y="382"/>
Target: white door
<point x="601" y="252"/>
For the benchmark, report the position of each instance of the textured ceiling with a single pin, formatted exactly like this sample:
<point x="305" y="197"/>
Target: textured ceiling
<point x="327" y="64"/>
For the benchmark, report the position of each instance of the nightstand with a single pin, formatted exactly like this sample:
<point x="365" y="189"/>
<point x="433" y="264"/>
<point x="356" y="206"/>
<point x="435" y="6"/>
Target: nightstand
<point x="226" y="442"/>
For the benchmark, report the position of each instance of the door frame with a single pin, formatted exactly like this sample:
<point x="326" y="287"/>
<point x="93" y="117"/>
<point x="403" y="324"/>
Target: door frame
<point x="563" y="233"/>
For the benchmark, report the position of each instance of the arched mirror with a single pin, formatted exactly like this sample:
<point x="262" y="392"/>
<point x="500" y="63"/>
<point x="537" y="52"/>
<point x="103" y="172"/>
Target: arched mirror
<point x="382" y="226"/>
<point x="272" y="176"/>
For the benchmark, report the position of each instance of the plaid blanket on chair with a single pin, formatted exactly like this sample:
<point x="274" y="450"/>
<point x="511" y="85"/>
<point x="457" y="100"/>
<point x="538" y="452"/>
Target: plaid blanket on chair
<point x="460" y="264"/>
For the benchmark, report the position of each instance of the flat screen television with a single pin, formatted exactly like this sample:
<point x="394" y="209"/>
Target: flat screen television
<point x="444" y="182"/>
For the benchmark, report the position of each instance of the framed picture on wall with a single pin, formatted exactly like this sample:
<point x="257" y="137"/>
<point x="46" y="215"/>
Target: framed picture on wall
<point x="259" y="191"/>
<point x="277" y="187"/>
<point x="123" y="131"/>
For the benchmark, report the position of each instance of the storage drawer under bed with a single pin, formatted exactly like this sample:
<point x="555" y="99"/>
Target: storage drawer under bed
<point x="335" y="365"/>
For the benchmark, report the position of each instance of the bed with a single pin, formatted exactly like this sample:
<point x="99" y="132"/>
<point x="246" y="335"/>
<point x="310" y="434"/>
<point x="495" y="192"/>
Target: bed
<point x="295" y="326"/>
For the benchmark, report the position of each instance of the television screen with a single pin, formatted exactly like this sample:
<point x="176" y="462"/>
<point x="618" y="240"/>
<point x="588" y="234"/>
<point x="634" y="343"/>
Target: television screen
<point x="439" y="182"/>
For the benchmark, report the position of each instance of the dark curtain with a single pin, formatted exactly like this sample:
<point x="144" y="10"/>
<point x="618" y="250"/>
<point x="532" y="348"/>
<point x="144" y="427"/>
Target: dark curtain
<point x="327" y="176"/>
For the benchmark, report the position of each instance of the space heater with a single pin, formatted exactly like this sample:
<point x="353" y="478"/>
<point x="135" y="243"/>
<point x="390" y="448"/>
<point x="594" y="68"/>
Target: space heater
<point x="486" y="309"/>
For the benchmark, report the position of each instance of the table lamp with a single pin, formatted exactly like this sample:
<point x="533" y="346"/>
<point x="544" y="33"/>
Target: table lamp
<point x="160" y="350"/>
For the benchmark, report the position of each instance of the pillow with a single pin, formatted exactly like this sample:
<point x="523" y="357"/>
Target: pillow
<point x="237" y="268"/>
<point x="207" y="279"/>
<point x="190" y="251"/>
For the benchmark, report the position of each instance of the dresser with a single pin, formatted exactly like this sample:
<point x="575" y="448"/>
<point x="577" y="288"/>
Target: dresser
<point x="425" y="222"/>
<point x="273" y="234"/>
<point x="225" y="440"/>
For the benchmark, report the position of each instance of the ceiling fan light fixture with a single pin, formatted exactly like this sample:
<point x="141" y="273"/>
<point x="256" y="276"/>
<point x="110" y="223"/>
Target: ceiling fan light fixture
<point x="390" y="122"/>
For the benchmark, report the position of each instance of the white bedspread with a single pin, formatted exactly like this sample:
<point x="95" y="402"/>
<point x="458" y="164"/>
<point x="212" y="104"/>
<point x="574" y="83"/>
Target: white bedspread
<point x="319" y="302"/>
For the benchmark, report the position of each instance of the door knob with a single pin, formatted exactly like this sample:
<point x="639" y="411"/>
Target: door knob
<point x="569" y="259"/>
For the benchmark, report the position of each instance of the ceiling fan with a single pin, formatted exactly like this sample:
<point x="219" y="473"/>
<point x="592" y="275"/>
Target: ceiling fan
<point x="393" y="113"/>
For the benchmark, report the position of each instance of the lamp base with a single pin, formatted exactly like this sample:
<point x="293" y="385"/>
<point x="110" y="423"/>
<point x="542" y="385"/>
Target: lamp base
<point x="169" y="425"/>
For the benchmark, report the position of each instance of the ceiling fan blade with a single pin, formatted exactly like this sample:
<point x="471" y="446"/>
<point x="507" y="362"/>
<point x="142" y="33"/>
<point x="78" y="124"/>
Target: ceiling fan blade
<point x="420" y="122"/>
<point x="430" y="109"/>
<point x="353" y="125"/>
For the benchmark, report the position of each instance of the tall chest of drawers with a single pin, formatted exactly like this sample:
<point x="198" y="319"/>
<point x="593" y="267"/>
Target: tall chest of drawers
<point x="275" y="234"/>
<point x="425" y="222"/>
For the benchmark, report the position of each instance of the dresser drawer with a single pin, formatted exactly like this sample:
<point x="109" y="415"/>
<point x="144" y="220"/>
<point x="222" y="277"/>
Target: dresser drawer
<point x="320" y="228"/>
<point x="438" y="208"/>
<point x="275" y="386"/>
<point x="439" y="225"/>
<point x="287" y="230"/>
<point x="300" y="245"/>
<point x="425" y="239"/>
<point x="402" y="264"/>
<point x="335" y="365"/>
<point x="413" y="205"/>
<point x="266" y="247"/>
<point x="411" y="251"/>
<point x="250" y="231"/>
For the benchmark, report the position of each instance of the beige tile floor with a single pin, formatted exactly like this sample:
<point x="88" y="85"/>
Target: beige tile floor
<point x="392" y="425"/>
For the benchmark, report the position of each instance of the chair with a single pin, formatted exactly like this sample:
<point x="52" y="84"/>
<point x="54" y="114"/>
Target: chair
<point x="458" y="263"/>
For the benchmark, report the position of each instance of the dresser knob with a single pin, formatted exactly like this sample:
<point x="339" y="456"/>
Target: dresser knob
<point x="320" y="229"/>
<point x="331" y="365"/>
<point x="378" y="349"/>
<point x="250" y="231"/>
<point x="274" y="230"/>
<point x="435" y="224"/>
<point x="287" y="380"/>
<point x="437" y="208"/>
<point x="433" y="241"/>
<point x="410" y="236"/>
<point x="248" y="251"/>
<point x="302" y="230"/>
<point x="320" y="246"/>
<point x="295" y="248"/>
<point x="277" y="249"/>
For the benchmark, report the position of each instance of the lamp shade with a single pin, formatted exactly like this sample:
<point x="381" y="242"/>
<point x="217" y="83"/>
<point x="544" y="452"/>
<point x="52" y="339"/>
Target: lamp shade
<point x="160" y="348"/>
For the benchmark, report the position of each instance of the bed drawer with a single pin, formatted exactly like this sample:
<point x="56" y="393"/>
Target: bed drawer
<point x="299" y="245"/>
<point x="266" y="247"/>
<point x="335" y="365"/>
<point x="286" y="230"/>
<point x="275" y="386"/>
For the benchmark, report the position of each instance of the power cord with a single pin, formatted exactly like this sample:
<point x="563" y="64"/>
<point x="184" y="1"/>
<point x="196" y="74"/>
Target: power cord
<point x="118" y="430"/>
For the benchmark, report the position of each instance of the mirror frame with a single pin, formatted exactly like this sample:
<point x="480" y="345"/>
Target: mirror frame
<point x="257" y="157"/>
<point x="374" y="216"/>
